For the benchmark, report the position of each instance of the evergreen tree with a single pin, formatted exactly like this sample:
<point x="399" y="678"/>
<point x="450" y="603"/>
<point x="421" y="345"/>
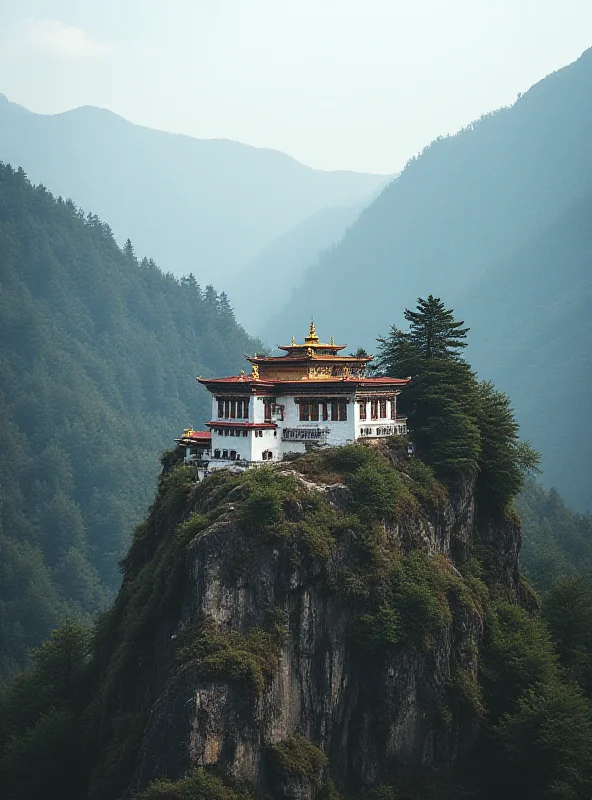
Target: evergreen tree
<point x="568" y="612"/>
<point x="459" y="426"/>
<point x="128" y="250"/>
<point x="434" y="331"/>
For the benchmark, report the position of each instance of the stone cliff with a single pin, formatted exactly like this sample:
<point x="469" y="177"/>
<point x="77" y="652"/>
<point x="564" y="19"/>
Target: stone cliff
<point x="306" y="628"/>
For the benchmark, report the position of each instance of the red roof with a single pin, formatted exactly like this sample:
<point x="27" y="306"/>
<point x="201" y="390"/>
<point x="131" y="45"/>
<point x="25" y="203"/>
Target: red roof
<point x="242" y="425"/>
<point x="198" y="435"/>
<point x="306" y="382"/>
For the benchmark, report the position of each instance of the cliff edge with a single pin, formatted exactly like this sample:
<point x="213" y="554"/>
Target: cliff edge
<point x="302" y="628"/>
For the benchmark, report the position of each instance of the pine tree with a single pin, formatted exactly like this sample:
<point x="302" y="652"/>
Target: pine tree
<point x="433" y="329"/>
<point x="128" y="250"/>
<point x="460" y="427"/>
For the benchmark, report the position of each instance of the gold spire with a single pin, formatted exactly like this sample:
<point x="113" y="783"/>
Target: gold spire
<point x="293" y="340"/>
<point x="312" y="333"/>
<point x="255" y="372"/>
<point x="332" y="341"/>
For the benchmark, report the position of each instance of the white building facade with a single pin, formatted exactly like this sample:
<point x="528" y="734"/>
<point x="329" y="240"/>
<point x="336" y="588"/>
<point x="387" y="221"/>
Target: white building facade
<point x="311" y="395"/>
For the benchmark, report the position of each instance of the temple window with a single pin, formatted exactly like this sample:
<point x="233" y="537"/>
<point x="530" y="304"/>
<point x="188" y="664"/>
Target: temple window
<point x="224" y="453"/>
<point x="268" y="403"/>
<point x="374" y="409"/>
<point x="314" y="411"/>
<point x="338" y="411"/>
<point x="233" y="454"/>
<point x="220" y="408"/>
<point x="245" y="433"/>
<point x="216" y="454"/>
<point x="325" y="411"/>
<point x="362" y="410"/>
<point x="226" y="432"/>
<point x="233" y="409"/>
<point x="246" y="408"/>
<point x="393" y="409"/>
<point x="383" y="409"/>
<point x="304" y="412"/>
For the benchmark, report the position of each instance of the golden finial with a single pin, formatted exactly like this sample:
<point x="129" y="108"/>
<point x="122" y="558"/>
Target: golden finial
<point x="332" y="341"/>
<point x="255" y="372"/>
<point x="293" y="340"/>
<point x="242" y="374"/>
<point x="313" y="332"/>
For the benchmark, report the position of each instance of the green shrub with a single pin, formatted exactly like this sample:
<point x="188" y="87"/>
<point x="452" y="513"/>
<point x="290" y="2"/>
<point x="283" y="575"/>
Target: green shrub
<point x="416" y="601"/>
<point x="297" y="757"/>
<point x="229" y="655"/>
<point x="267" y="490"/>
<point x="202" y="785"/>
<point x="466" y="692"/>
<point x="189" y="529"/>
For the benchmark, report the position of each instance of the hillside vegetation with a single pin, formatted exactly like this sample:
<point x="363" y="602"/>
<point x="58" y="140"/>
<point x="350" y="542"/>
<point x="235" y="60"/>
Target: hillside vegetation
<point x="97" y="375"/>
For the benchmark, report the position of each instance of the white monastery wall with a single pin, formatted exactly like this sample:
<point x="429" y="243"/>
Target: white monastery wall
<point x="339" y="432"/>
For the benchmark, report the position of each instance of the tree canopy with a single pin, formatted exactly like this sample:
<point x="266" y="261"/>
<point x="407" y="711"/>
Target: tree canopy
<point x="460" y="425"/>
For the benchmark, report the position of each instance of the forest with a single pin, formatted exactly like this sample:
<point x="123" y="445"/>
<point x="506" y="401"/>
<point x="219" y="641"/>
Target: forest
<point x="100" y="352"/>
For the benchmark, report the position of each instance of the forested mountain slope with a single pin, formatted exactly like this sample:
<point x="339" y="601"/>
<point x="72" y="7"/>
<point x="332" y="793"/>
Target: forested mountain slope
<point x="463" y="205"/>
<point x="531" y="320"/>
<point x="189" y="203"/>
<point x="98" y="358"/>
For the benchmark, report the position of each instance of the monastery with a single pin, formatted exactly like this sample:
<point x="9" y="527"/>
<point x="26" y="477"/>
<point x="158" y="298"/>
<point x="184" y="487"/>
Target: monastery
<point x="310" y="394"/>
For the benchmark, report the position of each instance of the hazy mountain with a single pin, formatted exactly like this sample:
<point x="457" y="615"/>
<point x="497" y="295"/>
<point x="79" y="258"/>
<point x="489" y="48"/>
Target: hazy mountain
<point x="466" y="202"/>
<point x="207" y="206"/>
<point x="265" y="283"/>
<point x="497" y="221"/>
<point x="531" y="319"/>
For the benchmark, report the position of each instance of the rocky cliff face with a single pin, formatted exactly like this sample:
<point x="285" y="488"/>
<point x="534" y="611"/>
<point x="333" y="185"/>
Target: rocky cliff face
<point x="331" y="602"/>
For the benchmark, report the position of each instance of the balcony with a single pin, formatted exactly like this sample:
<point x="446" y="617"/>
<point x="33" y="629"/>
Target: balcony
<point x="305" y="435"/>
<point x="392" y="427"/>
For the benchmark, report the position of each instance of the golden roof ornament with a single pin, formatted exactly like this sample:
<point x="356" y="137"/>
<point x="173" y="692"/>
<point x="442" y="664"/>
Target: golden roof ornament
<point x="332" y="341"/>
<point x="312" y="337"/>
<point x="293" y="340"/>
<point x="255" y="372"/>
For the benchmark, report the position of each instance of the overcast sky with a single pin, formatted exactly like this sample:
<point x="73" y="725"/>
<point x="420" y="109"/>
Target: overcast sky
<point x="339" y="84"/>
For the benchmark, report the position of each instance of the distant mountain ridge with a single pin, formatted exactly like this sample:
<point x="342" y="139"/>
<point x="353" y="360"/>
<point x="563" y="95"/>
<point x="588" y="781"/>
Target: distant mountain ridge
<point x="463" y="221"/>
<point x="465" y="203"/>
<point x="268" y="279"/>
<point x="202" y="206"/>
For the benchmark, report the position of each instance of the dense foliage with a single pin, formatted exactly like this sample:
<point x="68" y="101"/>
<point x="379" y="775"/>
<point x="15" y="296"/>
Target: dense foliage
<point x="461" y="426"/>
<point x="97" y="374"/>
<point x="556" y="542"/>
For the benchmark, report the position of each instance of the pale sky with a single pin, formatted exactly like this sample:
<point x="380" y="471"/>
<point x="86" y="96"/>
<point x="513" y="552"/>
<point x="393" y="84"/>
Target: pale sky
<point x="338" y="84"/>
